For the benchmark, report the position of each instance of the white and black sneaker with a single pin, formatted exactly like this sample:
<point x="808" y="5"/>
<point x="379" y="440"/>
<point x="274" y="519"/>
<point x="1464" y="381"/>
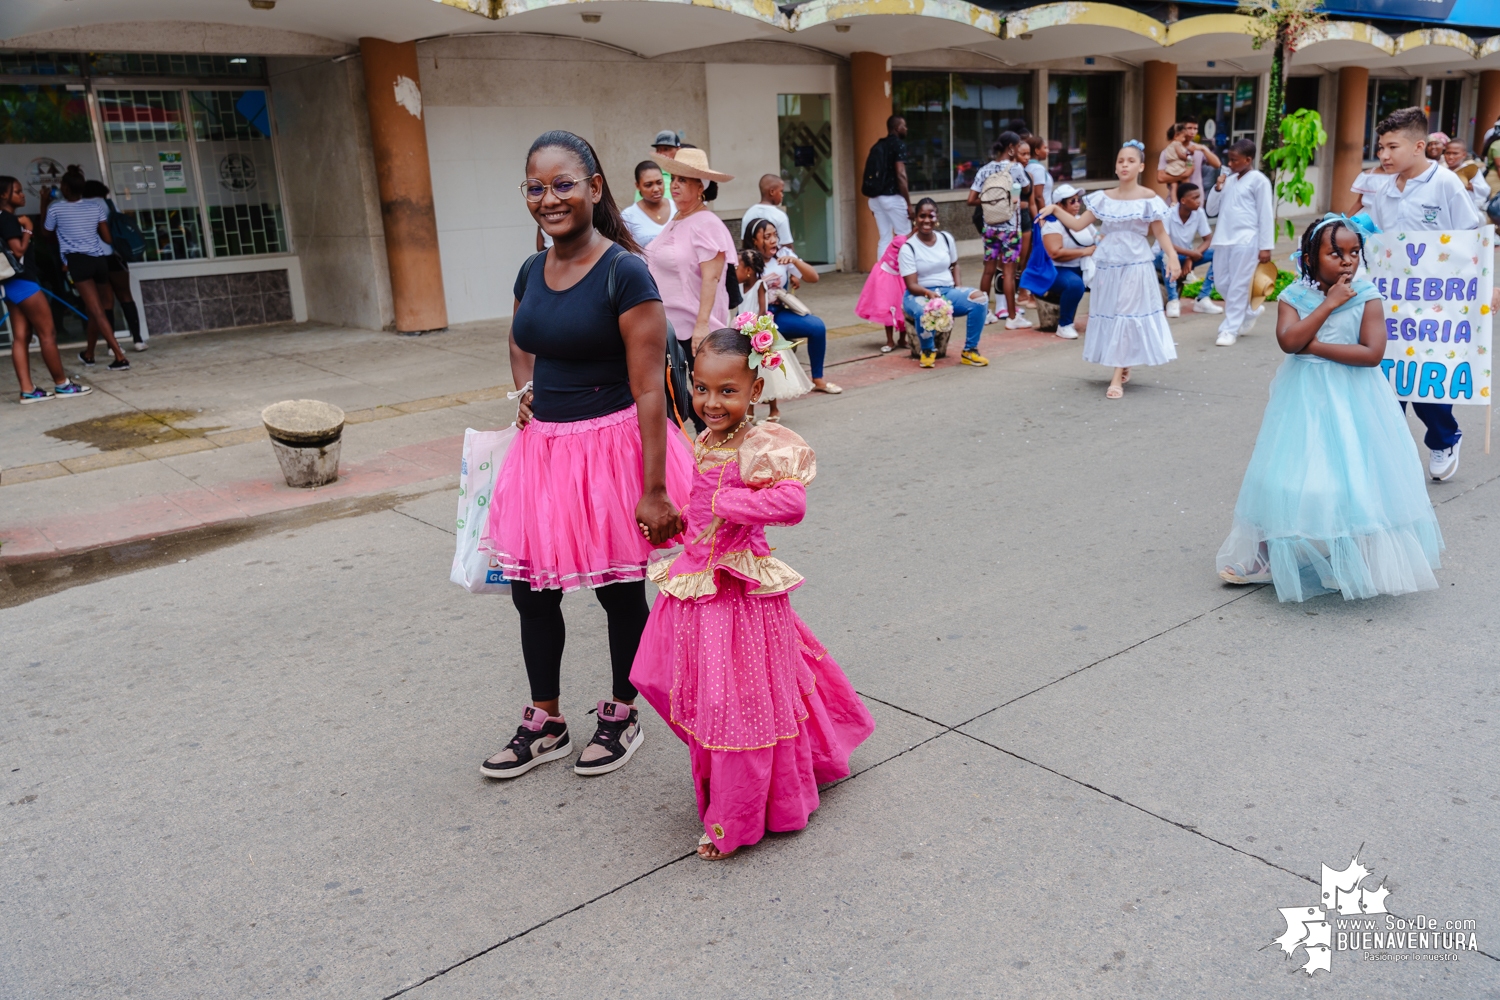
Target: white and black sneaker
<point x="539" y="738"/>
<point x="618" y="736"/>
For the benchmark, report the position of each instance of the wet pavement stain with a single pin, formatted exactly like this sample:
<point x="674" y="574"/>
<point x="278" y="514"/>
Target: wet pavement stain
<point x="131" y="429"/>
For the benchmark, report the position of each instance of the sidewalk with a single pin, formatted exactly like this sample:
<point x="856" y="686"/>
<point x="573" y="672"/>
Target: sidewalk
<point x="177" y="445"/>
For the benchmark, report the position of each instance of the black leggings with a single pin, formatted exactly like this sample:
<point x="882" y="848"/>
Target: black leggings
<point x="543" y="634"/>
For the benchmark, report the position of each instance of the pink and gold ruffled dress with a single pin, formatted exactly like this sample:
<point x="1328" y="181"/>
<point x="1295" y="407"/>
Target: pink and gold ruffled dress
<point x="765" y="711"/>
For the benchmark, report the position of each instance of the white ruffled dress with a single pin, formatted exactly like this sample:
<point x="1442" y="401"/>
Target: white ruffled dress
<point x="1126" y="323"/>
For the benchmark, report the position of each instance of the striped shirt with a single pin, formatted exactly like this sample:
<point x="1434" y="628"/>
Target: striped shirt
<point x="76" y="224"/>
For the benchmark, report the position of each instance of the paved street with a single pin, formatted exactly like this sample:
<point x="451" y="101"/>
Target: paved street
<point x="245" y="766"/>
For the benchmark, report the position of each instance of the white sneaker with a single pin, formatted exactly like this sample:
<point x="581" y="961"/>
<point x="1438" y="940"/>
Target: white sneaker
<point x="1174" y="309"/>
<point x="1068" y="332"/>
<point x="140" y="345"/>
<point x="1001" y="309"/>
<point x="1444" y="462"/>
<point x="1019" y="323"/>
<point x="1249" y="323"/>
<point x="1227" y="339"/>
<point x="1207" y="306"/>
<point x="992" y="317"/>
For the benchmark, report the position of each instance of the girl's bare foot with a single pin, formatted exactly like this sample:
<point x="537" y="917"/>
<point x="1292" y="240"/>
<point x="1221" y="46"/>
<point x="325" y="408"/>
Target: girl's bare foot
<point x="709" y="852"/>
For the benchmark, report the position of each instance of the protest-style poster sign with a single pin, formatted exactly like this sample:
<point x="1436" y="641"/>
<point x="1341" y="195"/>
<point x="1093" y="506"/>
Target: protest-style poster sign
<point x="1437" y="287"/>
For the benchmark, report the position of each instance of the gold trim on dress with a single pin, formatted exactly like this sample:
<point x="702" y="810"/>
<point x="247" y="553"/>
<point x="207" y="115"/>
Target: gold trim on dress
<point x="771" y="574"/>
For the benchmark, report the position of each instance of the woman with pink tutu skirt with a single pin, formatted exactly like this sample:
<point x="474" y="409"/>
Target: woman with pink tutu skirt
<point x="880" y="300"/>
<point x="766" y="713"/>
<point x="594" y="479"/>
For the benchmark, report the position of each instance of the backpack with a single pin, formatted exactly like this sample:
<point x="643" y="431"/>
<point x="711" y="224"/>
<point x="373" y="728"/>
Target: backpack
<point x="126" y="235"/>
<point x="877" y="170"/>
<point x="997" y="197"/>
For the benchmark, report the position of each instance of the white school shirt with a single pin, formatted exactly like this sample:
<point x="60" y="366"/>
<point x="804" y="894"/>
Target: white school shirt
<point x="778" y="275"/>
<point x="929" y="263"/>
<point x="1182" y="233"/>
<point x="1039" y="175"/>
<point x="776" y="215"/>
<point x="642" y="226"/>
<point x="1435" y="199"/>
<point x="1480" y="192"/>
<point x="1245" y="211"/>
<point x="1085" y="237"/>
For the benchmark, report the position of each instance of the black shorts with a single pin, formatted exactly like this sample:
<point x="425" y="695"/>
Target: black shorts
<point x="117" y="264"/>
<point x="82" y="267"/>
<point x="1026" y="220"/>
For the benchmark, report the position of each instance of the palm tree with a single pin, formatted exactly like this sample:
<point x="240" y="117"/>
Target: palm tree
<point x="1284" y="23"/>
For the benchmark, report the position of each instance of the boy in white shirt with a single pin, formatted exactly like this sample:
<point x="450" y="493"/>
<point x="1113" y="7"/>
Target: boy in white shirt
<point x="1420" y="194"/>
<point x="1244" y="238"/>
<point x="1185" y="223"/>
<point x="772" y="191"/>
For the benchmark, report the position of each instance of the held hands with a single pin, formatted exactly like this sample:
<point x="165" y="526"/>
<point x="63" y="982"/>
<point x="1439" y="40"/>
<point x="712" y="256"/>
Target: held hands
<point x="708" y="532"/>
<point x="657" y="518"/>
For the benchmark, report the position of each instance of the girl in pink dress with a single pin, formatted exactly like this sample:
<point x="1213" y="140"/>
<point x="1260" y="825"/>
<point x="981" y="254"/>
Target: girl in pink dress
<point x="880" y="301"/>
<point x="766" y="713"/>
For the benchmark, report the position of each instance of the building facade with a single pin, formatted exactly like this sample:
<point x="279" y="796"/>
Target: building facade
<point x="358" y="163"/>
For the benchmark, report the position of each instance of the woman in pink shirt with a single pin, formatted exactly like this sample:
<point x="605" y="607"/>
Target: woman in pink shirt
<point x="689" y="256"/>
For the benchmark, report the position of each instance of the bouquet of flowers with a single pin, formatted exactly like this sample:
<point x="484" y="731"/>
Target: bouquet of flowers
<point x="937" y="316"/>
<point x="766" y="342"/>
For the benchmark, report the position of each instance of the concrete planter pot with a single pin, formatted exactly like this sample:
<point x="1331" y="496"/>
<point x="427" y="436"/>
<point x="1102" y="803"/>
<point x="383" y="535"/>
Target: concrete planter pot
<point x="306" y="437"/>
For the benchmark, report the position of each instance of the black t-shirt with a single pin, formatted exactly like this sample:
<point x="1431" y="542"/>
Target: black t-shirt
<point x="895" y="152"/>
<point x="580" y="370"/>
<point x="10" y="229"/>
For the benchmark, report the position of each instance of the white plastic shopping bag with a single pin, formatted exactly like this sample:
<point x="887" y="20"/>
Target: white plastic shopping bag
<point x="484" y="451"/>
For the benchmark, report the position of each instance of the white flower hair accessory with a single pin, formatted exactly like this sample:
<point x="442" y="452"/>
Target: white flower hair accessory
<point x="766" y="342"/>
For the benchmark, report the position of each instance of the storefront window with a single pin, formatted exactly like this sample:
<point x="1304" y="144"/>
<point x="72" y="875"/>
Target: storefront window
<point x="151" y="169"/>
<point x="1385" y="97"/>
<point x="233" y="133"/>
<point x="984" y="105"/>
<point x="1224" y="107"/>
<point x="1440" y="101"/>
<point x="110" y="64"/>
<point x="1083" y="125"/>
<point x="951" y="121"/>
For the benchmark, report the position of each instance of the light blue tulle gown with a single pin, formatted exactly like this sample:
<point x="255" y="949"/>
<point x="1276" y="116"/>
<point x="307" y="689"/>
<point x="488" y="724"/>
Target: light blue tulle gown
<point x="1334" y="498"/>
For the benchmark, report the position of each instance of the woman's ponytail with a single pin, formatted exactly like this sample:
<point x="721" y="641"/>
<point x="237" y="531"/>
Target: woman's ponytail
<point x="607" y="218"/>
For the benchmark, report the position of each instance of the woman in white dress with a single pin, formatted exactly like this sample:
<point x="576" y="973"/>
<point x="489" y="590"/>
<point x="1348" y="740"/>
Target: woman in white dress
<point x="1127" y="324"/>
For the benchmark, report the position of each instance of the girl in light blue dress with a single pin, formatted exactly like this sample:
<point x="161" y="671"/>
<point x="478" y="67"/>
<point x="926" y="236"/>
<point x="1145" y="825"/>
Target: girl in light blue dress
<point x="1334" y="498"/>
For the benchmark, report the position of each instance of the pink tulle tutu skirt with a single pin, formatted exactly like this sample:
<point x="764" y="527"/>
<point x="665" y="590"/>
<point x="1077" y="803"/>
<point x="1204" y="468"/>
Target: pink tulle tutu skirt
<point x="765" y="711"/>
<point x="562" y="516"/>
<point x="880" y="300"/>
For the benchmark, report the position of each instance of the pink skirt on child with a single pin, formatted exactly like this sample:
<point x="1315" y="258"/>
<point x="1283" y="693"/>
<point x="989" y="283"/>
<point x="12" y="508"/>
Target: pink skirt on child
<point x="765" y="711"/>
<point x="562" y="515"/>
<point x="880" y="300"/>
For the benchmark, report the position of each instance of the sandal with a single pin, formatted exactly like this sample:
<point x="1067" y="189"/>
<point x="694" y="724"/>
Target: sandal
<point x="828" y="387"/>
<point x="1124" y="376"/>
<point x="886" y="349"/>
<point x="706" y="841"/>
<point x="1114" y="392"/>
<point x="1256" y="572"/>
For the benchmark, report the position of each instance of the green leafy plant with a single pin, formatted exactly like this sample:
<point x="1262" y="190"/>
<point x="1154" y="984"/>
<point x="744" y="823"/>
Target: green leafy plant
<point x="1302" y="135"/>
<point x="1284" y="24"/>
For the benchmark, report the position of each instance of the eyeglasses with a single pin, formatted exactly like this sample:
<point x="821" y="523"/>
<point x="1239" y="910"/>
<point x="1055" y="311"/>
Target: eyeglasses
<point x="563" y="187"/>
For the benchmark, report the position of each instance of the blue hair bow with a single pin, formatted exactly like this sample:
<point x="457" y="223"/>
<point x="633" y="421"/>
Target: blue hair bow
<point x="1135" y="144"/>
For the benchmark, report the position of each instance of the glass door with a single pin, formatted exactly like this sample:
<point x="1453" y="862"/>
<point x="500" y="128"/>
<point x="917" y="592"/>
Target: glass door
<point x="805" y="125"/>
<point x="153" y="174"/>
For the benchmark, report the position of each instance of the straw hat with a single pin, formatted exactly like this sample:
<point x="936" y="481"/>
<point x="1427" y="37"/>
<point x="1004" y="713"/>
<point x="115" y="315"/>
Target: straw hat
<point x="690" y="163"/>
<point x="1261" y="284"/>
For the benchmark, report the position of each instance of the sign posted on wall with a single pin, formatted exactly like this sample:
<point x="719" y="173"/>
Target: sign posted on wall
<point x="1437" y="287"/>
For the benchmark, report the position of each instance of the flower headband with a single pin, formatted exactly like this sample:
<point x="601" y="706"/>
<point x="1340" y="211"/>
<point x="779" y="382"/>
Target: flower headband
<point x="1134" y="144"/>
<point x="766" y="342"/>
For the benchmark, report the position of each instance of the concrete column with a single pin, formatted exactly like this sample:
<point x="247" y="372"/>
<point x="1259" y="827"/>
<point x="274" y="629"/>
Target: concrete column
<point x="870" y="87"/>
<point x="1158" y="112"/>
<point x="394" y="96"/>
<point x="1348" y="136"/>
<point x="1487" y="108"/>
